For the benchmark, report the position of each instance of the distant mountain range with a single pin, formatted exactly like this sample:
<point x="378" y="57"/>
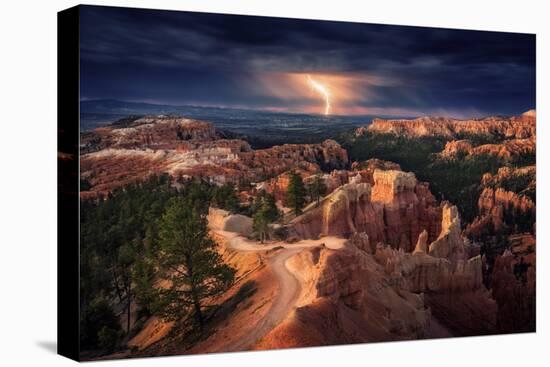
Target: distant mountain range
<point x="113" y="106"/>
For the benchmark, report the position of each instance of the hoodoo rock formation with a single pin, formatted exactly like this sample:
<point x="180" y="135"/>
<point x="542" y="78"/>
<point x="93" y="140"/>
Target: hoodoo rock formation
<point x="444" y="264"/>
<point x="360" y="172"/>
<point x="449" y="243"/>
<point x="347" y="298"/>
<point x="518" y="127"/>
<point x="158" y="132"/>
<point x="124" y="153"/>
<point x="513" y="280"/>
<point x="358" y="294"/>
<point x="507" y="150"/>
<point x="505" y="174"/>
<point x="499" y="210"/>
<point x="395" y="210"/>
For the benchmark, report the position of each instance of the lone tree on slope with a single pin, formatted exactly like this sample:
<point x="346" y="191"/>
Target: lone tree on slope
<point x="189" y="261"/>
<point x="296" y="193"/>
<point x="317" y="189"/>
<point x="266" y="212"/>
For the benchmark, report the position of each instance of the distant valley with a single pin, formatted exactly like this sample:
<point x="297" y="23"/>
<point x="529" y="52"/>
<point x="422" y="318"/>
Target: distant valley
<point x="259" y="128"/>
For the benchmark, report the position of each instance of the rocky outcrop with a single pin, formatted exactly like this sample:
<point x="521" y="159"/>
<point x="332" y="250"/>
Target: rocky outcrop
<point x="422" y="243"/>
<point x="420" y="272"/>
<point x="395" y="210"/>
<point x="375" y="163"/>
<point x="360" y="172"/>
<point x="345" y="211"/>
<point x="119" y="155"/>
<point x="513" y="281"/>
<point x="327" y="156"/>
<point x="514" y="127"/>
<point x="506" y="151"/>
<point x="443" y="271"/>
<point x="222" y="220"/>
<point x="521" y="180"/>
<point x="449" y="244"/>
<point x="443" y="265"/>
<point x="455" y="149"/>
<point x="490" y="198"/>
<point x="347" y="299"/>
<point x="390" y="186"/>
<point x="408" y="208"/>
<point x="502" y="211"/>
<point x="158" y="132"/>
<point x="110" y="168"/>
<point x="364" y="292"/>
<point x="438" y="264"/>
<point x="278" y="186"/>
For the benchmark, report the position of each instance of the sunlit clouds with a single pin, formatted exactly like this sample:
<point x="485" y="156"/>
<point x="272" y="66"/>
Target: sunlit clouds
<point x="320" y="93"/>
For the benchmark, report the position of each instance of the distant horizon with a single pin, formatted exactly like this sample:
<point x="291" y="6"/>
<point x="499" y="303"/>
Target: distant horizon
<point x="248" y="109"/>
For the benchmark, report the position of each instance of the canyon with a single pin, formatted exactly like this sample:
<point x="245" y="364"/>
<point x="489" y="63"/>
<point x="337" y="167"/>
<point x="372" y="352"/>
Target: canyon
<point x="378" y="257"/>
<point x="121" y="154"/>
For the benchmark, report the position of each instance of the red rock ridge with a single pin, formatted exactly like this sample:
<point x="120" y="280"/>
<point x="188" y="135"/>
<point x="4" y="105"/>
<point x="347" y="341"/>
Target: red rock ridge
<point x="131" y="154"/>
<point x="518" y="127"/>
<point x="506" y="150"/>
<point x="155" y="132"/>
<point x="495" y="206"/>
<point x="506" y="173"/>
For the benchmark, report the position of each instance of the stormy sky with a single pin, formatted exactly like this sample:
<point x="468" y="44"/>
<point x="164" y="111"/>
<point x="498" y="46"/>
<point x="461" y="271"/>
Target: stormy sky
<point x="182" y="58"/>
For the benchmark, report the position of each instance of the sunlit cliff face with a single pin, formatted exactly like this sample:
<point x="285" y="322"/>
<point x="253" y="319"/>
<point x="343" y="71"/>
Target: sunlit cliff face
<point x="319" y="93"/>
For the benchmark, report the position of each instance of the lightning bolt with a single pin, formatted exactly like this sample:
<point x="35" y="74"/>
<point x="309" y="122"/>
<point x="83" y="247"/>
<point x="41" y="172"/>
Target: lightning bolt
<point x="322" y="90"/>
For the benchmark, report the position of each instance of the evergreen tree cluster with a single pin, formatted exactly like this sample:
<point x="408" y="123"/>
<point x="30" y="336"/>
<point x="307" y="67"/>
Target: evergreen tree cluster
<point x="142" y="234"/>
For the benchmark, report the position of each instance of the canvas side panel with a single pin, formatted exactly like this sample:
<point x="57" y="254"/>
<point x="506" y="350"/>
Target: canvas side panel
<point x="68" y="183"/>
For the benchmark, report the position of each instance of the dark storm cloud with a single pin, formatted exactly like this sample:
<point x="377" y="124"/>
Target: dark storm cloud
<point x="179" y="57"/>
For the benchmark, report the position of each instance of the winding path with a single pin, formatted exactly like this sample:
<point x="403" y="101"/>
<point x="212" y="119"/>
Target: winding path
<point x="289" y="285"/>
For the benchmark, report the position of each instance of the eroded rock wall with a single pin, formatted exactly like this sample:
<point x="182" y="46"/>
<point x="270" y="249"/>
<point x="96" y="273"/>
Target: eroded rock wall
<point x="395" y="210"/>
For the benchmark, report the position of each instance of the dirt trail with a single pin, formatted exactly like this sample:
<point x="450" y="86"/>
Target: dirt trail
<point x="288" y="284"/>
<point x="237" y="242"/>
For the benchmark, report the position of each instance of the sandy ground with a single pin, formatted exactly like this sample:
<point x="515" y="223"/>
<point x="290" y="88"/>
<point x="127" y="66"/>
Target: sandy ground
<point x="288" y="291"/>
<point x="264" y="269"/>
<point x="288" y="285"/>
<point x="240" y="243"/>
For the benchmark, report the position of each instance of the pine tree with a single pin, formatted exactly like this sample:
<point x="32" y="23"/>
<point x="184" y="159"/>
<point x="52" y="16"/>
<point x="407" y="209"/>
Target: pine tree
<point x="266" y="212"/>
<point x="126" y="258"/>
<point x="225" y="197"/>
<point x="317" y="189"/>
<point x="189" y="261"/>
<point x="261" y="225"/>
<point x="296" y="193"/>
